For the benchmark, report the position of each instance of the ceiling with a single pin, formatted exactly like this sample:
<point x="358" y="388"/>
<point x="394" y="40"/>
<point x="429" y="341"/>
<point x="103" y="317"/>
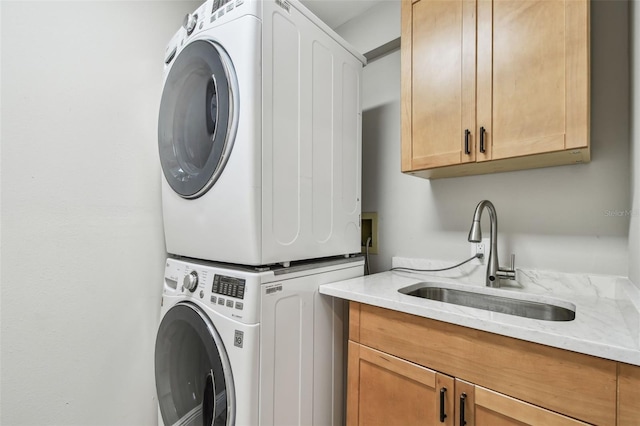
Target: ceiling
<point x="336" y="12"/>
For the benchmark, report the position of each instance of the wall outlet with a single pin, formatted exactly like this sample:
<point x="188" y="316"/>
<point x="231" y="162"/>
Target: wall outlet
<point x="369" y="229"/>
<point x="480" y="248"/>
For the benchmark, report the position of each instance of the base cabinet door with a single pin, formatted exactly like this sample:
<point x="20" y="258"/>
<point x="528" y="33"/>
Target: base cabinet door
<point x="385" y="390"/>
<point x="628" y="395"/>
<point x="478" y="406"/>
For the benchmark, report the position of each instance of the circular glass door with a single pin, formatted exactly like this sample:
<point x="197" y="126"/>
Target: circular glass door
<point x="193" y="375"/>
<point x="198" y="118"/>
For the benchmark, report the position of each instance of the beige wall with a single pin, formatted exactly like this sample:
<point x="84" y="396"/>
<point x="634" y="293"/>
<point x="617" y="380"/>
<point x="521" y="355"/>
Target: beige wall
<point x="82" y="242"/>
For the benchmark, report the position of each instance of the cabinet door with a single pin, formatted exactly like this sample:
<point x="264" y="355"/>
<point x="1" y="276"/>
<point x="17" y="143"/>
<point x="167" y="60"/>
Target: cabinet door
<point x="628" y="395"/>
<point x="495" y="409"/>
<point x="438" y="83"/>
<point x="532" y="77"/>
<point x="385" y="390"/>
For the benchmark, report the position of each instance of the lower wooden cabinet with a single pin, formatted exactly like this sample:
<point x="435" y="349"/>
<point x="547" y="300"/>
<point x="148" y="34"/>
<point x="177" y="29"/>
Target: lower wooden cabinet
<point x="406" y="370"/>
<point x="386" y="390"/>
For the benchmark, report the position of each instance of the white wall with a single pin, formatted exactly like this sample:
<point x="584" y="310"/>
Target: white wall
<point x="552" y="218"/>
<point x="82" y="242"/>
<point x="634" y="229"/>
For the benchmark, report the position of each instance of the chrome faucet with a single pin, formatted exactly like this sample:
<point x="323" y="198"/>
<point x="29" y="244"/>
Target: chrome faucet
<point x="494" y="272"/>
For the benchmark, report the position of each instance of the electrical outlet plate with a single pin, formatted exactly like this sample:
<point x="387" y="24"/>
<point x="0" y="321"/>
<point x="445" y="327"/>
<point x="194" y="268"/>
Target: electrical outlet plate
<point x="480" y="248"/>
<point x="369" y="229"/>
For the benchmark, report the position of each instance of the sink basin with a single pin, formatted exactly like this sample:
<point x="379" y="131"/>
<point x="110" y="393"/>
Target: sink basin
<point x="492" y="302"/>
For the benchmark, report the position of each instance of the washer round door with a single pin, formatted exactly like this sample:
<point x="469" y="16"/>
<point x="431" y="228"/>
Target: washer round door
<point x="198" y="118"/>
<point x="193" y="375"/>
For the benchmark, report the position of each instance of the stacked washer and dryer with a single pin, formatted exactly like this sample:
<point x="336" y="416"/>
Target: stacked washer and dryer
<point x="260" y="145"/>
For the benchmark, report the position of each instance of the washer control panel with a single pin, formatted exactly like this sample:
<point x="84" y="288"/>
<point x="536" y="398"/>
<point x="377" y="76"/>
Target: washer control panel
<point x="229" y="292"/>
<point x="228" y="286"/>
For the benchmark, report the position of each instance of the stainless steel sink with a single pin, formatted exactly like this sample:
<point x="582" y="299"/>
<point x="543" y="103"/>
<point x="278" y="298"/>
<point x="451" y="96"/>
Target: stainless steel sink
<point x="492" y="302"/>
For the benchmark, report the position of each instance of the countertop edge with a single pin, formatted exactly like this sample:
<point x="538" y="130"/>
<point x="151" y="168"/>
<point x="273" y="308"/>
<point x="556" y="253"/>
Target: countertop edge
<point x="569" y="343"/>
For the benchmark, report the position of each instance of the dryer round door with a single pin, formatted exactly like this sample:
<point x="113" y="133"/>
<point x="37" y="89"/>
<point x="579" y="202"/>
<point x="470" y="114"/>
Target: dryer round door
<point x="193" y="374"/>
<point x="198" y="118"/>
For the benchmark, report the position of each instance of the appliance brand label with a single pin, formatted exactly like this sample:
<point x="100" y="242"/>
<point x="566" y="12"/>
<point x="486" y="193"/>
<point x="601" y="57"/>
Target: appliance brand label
<point x="273" y="289"/>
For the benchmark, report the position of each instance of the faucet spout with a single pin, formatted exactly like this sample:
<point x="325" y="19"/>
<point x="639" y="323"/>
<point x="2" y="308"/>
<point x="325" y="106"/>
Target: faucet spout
<point x="494" y="273"/>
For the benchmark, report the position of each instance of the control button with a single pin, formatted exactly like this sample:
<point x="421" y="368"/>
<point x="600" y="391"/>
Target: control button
<point x="229" y="303"/>
<point x="189" y="22"/>
<point x="213" y="18"/>
<point x="239" y="305"/>
<point x="190" y="281"/>
<point x="220" y="301"/>
<point x="230" y="7"/>
<point x="239" y="2"/>
<point x="201" y="294"/>
<point x="221" y="13"/>
<point x="214" y="299"/>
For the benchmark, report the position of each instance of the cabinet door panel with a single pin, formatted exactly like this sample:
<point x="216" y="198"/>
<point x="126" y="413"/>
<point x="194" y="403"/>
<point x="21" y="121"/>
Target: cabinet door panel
<point x="628" y="394"/>
<point x="494" y="409"/>
<point x="385" y="390"/>
<point x="532" y="76"/>
<point x="442" y="79"/>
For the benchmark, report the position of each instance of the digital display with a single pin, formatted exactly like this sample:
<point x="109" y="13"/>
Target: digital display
<point x="228" y="286"/>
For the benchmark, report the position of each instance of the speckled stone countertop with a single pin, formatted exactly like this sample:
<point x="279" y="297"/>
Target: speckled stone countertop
<point x="607" y="322"/>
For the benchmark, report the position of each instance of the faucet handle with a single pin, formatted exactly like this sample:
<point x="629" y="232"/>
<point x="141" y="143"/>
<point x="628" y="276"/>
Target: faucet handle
<point x="510" y="273"/>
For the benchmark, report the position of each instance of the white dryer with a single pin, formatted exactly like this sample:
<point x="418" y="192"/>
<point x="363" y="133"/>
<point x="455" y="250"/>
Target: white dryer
<point x="236" y="346"/>
<point x="259" y="136"/>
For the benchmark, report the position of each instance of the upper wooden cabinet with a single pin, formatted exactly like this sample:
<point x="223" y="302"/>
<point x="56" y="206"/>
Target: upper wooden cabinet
<point x="494" y="85"/>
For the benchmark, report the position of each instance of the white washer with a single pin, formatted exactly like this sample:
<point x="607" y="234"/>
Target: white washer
<point x="247" y="347"/>
<point x="259" y="136"/>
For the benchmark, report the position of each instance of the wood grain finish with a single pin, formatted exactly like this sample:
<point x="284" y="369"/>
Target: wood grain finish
<point x="519" y="69"/>
<point x="354" y="321"/>
<point x="528" y="103"/>
<point x="576" y="385"/>
<point x="405" y="84"/>
<point x="448" y="384"/>
<point x="628" y="395"/>
<point x="441" y="66"/>
<point x="494" y="409"/>
<point x="577" y="82"/>
<point x="558" y="158"/>
<point x="468" y="389"/>
<point x="386" y="390"/>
